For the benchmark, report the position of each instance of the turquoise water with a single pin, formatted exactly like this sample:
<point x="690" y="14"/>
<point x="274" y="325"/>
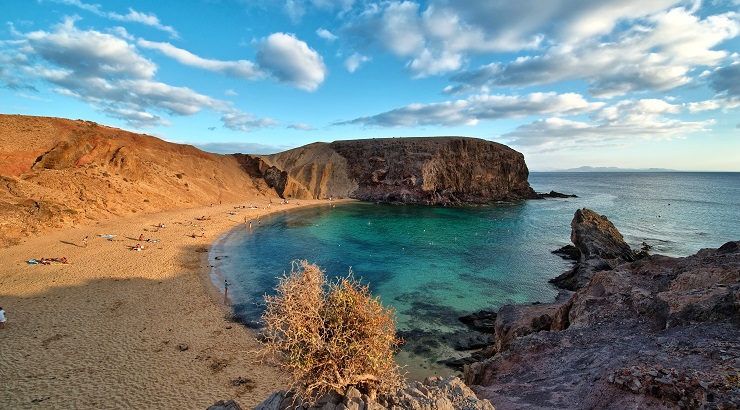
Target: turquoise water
<point x="434" y="264"/>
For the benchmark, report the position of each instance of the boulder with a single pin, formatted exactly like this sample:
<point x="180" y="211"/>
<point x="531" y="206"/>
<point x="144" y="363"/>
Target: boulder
<point x="601" y="248"/>
<point x="482" y="321"/>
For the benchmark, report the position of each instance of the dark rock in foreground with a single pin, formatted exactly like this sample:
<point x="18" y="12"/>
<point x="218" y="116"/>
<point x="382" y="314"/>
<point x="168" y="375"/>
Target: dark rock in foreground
<point x="658" y="332"/>
<point x="433" y="393"/>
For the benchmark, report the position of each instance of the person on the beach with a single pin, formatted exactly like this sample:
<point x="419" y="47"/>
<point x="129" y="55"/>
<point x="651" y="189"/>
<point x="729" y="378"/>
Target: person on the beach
<point x="226" y="287"/>
<point x="84" y="241"/>
<point x="141" y="236"/>
<point x="2" y="318"/>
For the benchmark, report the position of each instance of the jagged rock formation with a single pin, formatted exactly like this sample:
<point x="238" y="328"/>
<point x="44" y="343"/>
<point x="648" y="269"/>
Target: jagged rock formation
<point x="434" y="170"/>
<point x="658" y="332"/>
<point x="601" y="247"/>
<point x="434" y="393"/>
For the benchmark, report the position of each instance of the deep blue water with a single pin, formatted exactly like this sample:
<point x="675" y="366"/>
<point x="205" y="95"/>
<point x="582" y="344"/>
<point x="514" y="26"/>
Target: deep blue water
<point x="434" y="264"/>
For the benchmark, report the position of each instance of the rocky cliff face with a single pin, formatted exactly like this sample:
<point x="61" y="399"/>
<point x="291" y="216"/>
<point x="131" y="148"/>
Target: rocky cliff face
<point x="433" y="171"/>
<point x="657" y="332"/>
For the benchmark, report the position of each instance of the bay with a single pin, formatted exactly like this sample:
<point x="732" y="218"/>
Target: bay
<point x="435" y="264"/>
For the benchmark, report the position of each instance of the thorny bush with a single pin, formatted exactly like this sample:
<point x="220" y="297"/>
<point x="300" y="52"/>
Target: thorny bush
<point x="329" y="335"/>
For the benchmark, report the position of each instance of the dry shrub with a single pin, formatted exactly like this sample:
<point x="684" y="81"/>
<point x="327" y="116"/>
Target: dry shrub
<point x="328" y="336"/>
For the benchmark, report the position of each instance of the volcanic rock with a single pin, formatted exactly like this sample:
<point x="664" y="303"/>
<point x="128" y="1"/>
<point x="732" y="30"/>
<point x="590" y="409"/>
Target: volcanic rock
<point x="430" y="171"/>
<point x="601" y="248"/>
<point x="434" y="393"/>
<point x="659" y="332"/>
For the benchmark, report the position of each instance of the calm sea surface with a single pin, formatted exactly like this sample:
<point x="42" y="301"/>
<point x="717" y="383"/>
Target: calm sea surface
<point x="434" y="264"/>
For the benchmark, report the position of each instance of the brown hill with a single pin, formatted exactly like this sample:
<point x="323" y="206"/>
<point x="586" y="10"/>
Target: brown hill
<point x="58" y="172"/>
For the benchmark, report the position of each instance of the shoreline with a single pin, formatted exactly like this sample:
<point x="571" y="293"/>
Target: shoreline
<point x="132" y="329"/>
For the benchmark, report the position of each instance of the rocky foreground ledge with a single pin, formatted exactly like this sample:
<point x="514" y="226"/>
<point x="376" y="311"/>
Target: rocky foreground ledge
<point x="636" y="332"/>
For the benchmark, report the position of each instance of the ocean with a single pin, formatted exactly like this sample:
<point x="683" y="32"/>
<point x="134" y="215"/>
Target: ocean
<point x="435" y="264"/>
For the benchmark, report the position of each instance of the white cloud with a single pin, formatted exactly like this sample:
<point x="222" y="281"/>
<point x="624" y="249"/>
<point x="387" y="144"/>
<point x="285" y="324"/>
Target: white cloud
<point x="658" y="56"/>
<point x="661" y="43"/>
<point x="480" y="107"/>
<point x="353" y="62"/>
<point x="326" y="34"/>
<point x="133" y="16"/>
<point x="108" y="73"/>
<point x="89" y="53"/>
<point x="291" y="61"/>
<point x="240" y="121"/>
<point x="240" y="69"/>
<point x="231" y="93"/>
<point x="301" y="127"/>
<point x="620" y="123"/>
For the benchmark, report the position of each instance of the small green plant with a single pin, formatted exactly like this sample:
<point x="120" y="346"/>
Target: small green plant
<point x="328" y="336"/>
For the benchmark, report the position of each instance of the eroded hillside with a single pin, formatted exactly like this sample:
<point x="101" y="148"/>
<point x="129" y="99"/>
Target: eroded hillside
<point x="58" y="172"/>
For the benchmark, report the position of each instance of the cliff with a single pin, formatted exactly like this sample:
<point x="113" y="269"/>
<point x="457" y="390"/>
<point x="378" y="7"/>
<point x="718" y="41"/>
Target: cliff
<point x="430" y="170"/>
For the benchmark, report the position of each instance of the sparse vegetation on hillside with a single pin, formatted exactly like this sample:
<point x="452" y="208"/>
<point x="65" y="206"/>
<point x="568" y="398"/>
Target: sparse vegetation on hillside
<point x="329" y="335"/>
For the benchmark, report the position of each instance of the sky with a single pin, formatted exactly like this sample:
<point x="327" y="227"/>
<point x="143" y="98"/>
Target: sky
<point x="568" y="83"/>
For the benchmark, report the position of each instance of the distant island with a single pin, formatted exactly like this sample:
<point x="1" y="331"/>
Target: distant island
<point x="612" y="169"/>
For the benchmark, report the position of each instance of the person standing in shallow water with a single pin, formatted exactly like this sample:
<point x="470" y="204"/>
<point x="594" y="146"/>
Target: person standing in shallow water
<point x="226" y="292"/>
<point x="2" y="318"/>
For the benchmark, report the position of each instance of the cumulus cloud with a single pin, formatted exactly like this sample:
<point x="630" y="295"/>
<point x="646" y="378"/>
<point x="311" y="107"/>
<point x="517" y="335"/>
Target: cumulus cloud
<point x="240" y="121"/>
<point x="438" y="38"/>
<point x="627" y="120"/>
<point x="326" y="34"/>
<point x="108" y="73"/>
<point x="240" y="69"/>
<point x="480" y="107"/>
<point x="656" y="56"/>
<point x="291" y="61"/>
<point x="353" y="62"/>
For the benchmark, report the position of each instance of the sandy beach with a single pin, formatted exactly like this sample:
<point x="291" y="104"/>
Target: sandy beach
<point x="119" y="328"/>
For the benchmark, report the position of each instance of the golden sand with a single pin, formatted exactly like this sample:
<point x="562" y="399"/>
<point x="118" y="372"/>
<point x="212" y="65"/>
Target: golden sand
<point x="118" y="328"/>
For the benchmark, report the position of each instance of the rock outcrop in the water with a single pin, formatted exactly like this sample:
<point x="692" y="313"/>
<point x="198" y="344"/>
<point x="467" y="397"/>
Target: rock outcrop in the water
<point x="601" y="247"/>
<point x="658" y="332"/>
<point x="433" y="171"/>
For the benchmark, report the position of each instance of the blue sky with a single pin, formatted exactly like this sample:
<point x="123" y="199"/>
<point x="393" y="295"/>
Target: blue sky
<point x="626" y="83"/>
